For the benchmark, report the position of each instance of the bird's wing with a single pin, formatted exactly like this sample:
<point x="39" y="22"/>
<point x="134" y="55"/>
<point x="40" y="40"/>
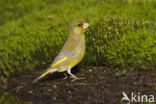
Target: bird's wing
<point x="51" y="69"/>
<point x="61" y="57"/>
<point x="68" y="50"/>
<point x="60" y="60"/>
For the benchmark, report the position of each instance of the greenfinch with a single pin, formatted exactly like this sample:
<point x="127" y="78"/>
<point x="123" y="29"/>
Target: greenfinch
<point x="72" y="52"/>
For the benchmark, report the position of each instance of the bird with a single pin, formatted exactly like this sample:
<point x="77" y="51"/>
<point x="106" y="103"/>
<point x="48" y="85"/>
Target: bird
<point x="72" y="52"/>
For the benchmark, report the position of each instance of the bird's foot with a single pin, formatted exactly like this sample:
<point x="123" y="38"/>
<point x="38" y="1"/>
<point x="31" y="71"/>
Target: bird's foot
<point x="66" y="76"/>
<point x="76" y="78"/>
<point x="73" y="76"/>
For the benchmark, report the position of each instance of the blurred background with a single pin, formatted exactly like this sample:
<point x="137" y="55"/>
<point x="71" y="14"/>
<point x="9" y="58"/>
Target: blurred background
<point x="121" y="37"/>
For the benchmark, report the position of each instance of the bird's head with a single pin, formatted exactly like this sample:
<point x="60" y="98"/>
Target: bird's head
<point x="77" y="27"/>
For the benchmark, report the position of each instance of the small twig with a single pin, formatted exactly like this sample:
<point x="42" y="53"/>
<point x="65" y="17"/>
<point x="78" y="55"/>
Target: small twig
<point x="17" y="89"/>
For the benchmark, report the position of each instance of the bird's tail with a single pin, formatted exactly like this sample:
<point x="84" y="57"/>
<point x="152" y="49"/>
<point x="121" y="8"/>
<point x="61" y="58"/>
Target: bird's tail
<point x="44" y="74"/>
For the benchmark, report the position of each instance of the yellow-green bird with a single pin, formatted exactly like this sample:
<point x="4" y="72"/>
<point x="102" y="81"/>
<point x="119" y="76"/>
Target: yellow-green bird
<point x="72" y="52"/>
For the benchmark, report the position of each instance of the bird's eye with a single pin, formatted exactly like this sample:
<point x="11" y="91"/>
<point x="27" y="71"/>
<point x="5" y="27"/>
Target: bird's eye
<point x="79" y="24"/>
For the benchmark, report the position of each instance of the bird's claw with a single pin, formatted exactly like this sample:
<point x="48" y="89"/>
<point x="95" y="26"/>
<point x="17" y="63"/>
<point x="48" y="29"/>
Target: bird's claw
<point x="66" y="76"/>
<point x="77" y="78"/>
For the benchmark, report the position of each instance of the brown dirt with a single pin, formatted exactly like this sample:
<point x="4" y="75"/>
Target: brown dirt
<point x="101" y="86"/>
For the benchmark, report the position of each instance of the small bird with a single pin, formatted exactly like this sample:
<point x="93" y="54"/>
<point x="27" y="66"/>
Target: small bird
<point x="72" y="52"/>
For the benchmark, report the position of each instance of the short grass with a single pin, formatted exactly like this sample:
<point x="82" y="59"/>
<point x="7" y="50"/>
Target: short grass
<point x="121" y="33"/>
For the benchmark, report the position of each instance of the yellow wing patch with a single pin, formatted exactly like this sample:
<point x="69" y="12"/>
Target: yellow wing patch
<point x="44" y="74"/>
<point x="63" y="59"/>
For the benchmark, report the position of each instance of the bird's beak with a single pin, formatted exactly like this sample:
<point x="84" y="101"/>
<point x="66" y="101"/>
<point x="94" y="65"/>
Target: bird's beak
<point x="85" y="25"/>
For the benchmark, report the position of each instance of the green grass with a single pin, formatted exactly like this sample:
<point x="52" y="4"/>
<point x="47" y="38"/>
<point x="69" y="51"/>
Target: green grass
<point x="120" y="33"/>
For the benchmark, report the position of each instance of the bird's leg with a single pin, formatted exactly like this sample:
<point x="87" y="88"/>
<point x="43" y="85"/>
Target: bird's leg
<point x="66" y="76"/>
<point x="72" y="75"/>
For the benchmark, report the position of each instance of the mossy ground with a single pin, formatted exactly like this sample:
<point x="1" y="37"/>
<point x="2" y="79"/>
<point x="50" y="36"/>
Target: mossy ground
<point x="121" y="33"/>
